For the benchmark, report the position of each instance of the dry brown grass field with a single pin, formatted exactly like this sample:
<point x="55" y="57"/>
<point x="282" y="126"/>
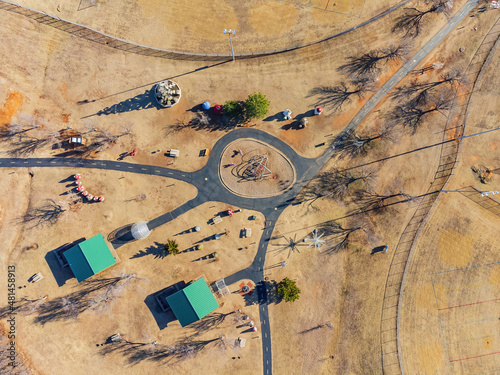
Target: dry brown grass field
<point x="56" y="81"/>
<point x="198" y="26"/>
<point x="449" y="319"/>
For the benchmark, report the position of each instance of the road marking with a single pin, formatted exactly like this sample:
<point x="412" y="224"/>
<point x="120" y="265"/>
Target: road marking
<point x="267" y="348"/>
<point x="157" y="171"/>
<point x="260" y="259"/>
<point x="265" y="334"/>
<point x="170" y="173"/>
<point x="12" y="162"/>
<point x="25" y="162"/>
<point x="130" y="167"/>
<point x="94" y="163"/>
<point x="267" y="362"/>
<point x="144" y="169"/>
<point x="118" y="165"/>
<point x="39" y="162"/>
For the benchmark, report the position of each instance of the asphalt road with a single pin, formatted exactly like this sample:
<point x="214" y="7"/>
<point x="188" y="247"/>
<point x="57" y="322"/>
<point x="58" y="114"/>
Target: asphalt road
<point x="210" y="187"/>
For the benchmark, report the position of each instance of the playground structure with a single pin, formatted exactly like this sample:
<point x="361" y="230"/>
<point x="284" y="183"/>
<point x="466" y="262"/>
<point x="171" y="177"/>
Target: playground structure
<point x="257" y="167"/>
<point x="167" y="93"/>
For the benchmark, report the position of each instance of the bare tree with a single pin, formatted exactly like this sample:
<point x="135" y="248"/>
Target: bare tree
<point x="327" y="324"/>
<point x="338" y="235"/>
<point x="419" y="93"/>
<point x="175" y="128"/>
<point x="22" y="306"/>
<point x="370" y="64"/>
<point x="333" y="98"/>
<point x="410" y="23"/>
<point x="90" y="296"/>
<point x="368" y="201"/>
<point x="27" y="144"/>
<point x="411" y="114"/>
<point x="337" y="184"/>
<point x="209" y="322"/>
<point x="201" y="119"/>
<point x="354" y="144"/>
<point x="48" y="214"/>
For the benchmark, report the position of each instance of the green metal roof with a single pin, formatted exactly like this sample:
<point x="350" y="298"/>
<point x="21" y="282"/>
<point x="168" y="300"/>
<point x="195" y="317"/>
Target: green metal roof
<point x="193" y="302"/>
<point x="89" y="257"/>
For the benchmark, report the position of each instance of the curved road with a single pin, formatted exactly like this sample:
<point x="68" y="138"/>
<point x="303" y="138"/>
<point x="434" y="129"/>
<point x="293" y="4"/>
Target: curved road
<point x="210" y="187"/>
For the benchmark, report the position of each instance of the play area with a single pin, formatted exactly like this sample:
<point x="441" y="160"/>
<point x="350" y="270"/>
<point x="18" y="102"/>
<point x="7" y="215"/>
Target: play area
<point x="175" y="200"/>
<point x="251" y="168"/>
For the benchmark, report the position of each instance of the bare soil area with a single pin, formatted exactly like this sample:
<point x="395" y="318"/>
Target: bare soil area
<point x="254" y="169"/>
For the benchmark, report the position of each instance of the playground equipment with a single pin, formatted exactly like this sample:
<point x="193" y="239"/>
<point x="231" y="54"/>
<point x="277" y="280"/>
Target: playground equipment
<point x="316" y="240"/>
<point x="287" y="114"/>
<point x="140" y="230"/>
<point x="257" y="168"/>
<point x="167" y="93"/>
<point x="206" y="106"/>
<point x="317" y="111"/>
<point x="222" y="287"/>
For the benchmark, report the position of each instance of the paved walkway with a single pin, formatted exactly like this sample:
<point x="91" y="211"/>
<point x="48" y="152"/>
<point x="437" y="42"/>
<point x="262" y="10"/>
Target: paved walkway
<point x="211" y="189"/>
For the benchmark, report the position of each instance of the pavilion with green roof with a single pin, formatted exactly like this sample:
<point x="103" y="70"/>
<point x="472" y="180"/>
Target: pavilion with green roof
<point x="89" y="257"/>
<point x="193" y="302"/>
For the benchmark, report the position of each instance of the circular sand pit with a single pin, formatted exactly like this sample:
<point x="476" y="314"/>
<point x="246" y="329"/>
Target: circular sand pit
<point x="251" y="168"/>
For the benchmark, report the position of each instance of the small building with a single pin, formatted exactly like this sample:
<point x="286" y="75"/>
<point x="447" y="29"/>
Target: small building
<point x="89" y="257"/>
<point x="193" y="302"/>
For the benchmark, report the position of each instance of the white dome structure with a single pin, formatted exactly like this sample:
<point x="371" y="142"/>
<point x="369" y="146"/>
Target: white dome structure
<point x="140" y="230"/>
<point x="167" y="93"/>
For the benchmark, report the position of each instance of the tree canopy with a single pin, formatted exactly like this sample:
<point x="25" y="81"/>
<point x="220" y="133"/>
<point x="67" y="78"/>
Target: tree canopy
<point x="256" y="105"/>
<point x="288" y="290"/>
<point x="172" y="247"/>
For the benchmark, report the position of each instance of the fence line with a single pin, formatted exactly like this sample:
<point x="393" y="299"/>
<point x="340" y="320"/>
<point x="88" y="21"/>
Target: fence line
<point x="99" y="37"/>
<point x="396" y="276"/>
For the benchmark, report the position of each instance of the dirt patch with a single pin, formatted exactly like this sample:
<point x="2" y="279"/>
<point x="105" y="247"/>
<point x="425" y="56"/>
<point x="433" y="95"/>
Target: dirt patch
<point x="10" y="107"/>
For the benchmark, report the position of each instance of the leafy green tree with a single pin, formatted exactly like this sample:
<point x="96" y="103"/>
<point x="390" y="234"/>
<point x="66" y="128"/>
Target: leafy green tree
<point x="172" y="247"/>
<point x="232" y="108"/>
<point x="288" y="290"/>
<point x="256" y="105"/>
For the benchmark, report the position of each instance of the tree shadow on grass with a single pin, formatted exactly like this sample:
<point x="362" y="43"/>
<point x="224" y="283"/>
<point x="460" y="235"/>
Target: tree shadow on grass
<point x="165" y="354"/>
<point x="158" y="250"/>
<point x="96" y="294"/>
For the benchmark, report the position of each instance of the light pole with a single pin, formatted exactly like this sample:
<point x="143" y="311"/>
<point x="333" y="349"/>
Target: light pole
<point x="483" y="193"/>
<point x="230" y="31"/>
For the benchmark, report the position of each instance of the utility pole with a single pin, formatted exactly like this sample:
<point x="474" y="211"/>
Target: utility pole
<point x="230" y="31"/>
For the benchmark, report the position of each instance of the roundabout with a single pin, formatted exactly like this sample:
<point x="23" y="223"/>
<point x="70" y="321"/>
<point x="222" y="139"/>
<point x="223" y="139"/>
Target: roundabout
<point x="254" y="169"/>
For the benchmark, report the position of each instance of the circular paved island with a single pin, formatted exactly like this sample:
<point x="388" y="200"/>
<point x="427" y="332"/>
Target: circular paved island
<point x="251" y="168"/>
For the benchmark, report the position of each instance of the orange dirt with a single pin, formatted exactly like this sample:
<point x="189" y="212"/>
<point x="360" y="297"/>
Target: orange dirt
<point x="10" y="107"/>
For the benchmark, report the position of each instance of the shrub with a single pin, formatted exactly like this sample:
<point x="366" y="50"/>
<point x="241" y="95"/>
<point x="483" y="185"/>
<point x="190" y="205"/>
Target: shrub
<point x="256" y="106"/>
<point x="288" y="290"/>
<point x="232" y="109"/>
<point x="172" y="247"/>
